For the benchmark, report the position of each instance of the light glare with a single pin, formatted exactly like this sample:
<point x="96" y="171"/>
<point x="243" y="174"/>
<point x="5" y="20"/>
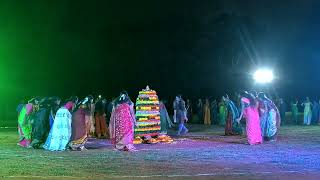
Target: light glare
<point x="263" y="76"/>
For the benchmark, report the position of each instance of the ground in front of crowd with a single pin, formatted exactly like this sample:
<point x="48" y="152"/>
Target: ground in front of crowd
<point x="204" y="154"/>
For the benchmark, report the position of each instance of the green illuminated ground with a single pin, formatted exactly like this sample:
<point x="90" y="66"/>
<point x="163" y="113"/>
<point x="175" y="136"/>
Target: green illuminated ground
<point x="203" y="154"/>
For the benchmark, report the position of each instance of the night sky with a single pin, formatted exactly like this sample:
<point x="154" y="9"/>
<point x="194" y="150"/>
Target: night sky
<point x="196" y="48"/>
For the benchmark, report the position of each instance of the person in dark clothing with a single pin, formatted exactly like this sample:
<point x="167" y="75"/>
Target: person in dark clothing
<point x="282" y="108"/>
<point x="100" y="121"/>
<point x="105" y="109"/>
<point x="40" y="124"/>
<point x="109" y="109"/>
<point x="55" y="103"/>
<point x="315" y="112"/>
<point x="180" y="114"/>
<point x="214" y="112"/>
<point x="200" y="110"/>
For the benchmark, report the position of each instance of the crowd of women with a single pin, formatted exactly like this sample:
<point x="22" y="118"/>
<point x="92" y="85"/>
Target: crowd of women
<point x="54" y="125"/>
<point x="50" y="124"/>
<point x="311" y="111"/>
<point x="261" y="114"/>
<point x="304" y="112"/>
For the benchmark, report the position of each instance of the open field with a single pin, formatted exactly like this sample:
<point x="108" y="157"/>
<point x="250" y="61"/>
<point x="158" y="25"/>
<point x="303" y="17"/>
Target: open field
<point x="203" y="154"/>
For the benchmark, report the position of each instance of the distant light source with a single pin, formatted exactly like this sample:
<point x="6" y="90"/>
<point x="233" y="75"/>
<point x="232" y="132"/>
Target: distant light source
<point x="263" y="76"/>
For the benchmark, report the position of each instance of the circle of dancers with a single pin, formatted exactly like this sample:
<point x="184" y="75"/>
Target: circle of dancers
<point x="57" y="125"/>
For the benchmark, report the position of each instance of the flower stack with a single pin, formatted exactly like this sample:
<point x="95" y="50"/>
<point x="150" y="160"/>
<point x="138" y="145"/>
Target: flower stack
<point x="147" y="116"/>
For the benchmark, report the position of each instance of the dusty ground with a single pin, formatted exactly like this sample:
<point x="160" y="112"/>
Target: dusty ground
<point x="203" y="154"/>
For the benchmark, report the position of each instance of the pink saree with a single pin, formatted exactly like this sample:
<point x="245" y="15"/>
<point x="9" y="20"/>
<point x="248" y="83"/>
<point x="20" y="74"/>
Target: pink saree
<point x="121" y="127"/>
<point x="253" y="123"/>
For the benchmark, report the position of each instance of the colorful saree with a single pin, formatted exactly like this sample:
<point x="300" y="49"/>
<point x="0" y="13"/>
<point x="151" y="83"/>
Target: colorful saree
<point x="222" y="114"/>
<point x="121" y="127"/>
<point x="165" y="121"/>
<point x="307" y="113"/>
<point x="24" y="126"/>
<point x="60" y="132"/>
<point x="207" y="114"/>
<point x="232" y="126"/>
<point x="269" y="119"/>
<point x="79" y="133"/>
<point x="253" y="128"/>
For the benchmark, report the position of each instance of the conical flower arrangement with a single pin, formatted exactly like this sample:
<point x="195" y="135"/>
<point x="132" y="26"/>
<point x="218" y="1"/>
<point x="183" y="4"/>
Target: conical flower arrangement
<point x="147" y="114"/>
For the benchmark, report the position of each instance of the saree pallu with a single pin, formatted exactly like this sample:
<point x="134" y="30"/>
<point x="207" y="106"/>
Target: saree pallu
<point x="76" y="144"/>
<point x="60" y="132"/>
<point x="271" y="129"/>
<point x="51" y="120"/>
<point x="264" y="115"/>
<point x="165" y="121"/>
<point x="232" y="126"/>
<point x="121" y="127"/>
<point x="24" y="126"/>
<point x="90" y="124"/>
<point x="79" y="133"/>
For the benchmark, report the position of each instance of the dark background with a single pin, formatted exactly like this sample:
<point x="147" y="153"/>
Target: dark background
<point x="196" y="48"/>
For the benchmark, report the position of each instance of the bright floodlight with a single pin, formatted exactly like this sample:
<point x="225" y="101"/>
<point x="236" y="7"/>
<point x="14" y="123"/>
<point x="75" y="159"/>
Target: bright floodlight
<point x="263" y="76"/>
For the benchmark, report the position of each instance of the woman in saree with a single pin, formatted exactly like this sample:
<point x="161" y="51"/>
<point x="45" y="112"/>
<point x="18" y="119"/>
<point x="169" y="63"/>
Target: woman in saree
<point x="207" y="112"/>
<point x="165" y="121"/>
<point x="222" y="113"/>
<point x="214" y="112"/>
<point x="315" y="112"/>
<point x="295" y="111"/>
<point x="79" y="134"/>
<point x="24" y="126"/>
<point x="122" y="123"/>
<point x="200" y="110"/>
<point x="232" y="126"/>
<point x="90" y="117"/>
<point x="307" y="111"/>
<point x="40" y="125"/>
<point x="55" y="105"/>
<point x="100" y="120"/>
<point x="249" y="111"/>
<point x="282" y="110"/>
<point x="60" y="132"/>
<point x="269" y="118"/>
